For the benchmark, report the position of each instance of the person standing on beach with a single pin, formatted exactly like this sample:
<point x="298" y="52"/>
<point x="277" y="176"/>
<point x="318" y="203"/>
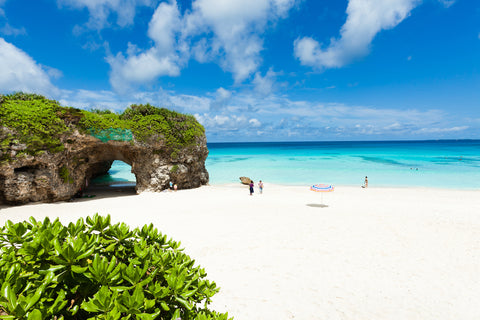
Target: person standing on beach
<point x="251" y="187"/>
<point x="171" y="185"/>
<point x="260" y="186"/>
<point x="366" y="182"/>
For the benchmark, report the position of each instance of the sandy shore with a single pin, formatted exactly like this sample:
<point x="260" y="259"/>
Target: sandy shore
<point x="377" y="253"/>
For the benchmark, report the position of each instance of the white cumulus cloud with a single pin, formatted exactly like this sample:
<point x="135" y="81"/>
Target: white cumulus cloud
<point x="264" y="85"/>
<point x="19" y="72"/>
<point x="140" y="67"/>
<point x="229" y="33"/>
<point x="365" y="18"/>
<point x="237" y="27"/>
<point x="254" y="123"/>
<point x="222" y="96"/>
<point x="163" y="27"/>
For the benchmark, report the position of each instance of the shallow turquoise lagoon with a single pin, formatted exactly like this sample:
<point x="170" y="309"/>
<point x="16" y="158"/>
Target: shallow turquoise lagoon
<point x="443" y="164"/>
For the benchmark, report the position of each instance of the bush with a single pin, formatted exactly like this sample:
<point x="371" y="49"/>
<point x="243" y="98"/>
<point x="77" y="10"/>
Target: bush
<point x="96" y="270"/>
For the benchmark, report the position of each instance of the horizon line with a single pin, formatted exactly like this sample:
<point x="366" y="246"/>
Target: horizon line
<point x="300" y="141"/>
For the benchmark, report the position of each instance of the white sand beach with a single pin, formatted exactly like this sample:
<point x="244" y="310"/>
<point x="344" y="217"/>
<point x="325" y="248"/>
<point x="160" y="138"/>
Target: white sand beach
<point x="376" y="253"/>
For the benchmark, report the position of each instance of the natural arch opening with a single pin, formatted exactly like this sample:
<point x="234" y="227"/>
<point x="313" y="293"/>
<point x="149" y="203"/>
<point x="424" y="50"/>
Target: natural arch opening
<point x="115" y="178"/>
<point x="120" y="174"/>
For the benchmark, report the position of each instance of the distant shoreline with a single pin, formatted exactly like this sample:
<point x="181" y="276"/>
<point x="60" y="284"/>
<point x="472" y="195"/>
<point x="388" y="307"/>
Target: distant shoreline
<point x="117" y="184"/>
<point x="101" y="191"/>
<point x="120" y="189"/>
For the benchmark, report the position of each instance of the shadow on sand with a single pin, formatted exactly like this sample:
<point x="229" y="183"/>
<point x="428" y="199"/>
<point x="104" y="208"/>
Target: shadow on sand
<point x="317" y="205"/>
<point x="92" y="193"/>
<point x="106" y="191"/>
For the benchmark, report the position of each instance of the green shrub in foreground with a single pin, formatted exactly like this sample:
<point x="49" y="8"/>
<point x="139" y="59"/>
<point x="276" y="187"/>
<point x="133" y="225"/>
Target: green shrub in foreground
<point x="96" y="270"/>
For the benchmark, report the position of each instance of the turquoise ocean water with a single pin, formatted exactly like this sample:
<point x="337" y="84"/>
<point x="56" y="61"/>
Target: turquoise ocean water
<point x="442" y="164"/>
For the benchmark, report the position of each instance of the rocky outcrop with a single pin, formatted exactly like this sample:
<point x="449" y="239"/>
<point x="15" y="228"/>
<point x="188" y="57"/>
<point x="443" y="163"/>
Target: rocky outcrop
<point x="54" y="176"/>
<point x="245" y="180"/>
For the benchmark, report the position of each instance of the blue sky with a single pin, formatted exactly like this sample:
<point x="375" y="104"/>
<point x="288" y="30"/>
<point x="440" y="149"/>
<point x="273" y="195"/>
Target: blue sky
<point x="257" y="70"/>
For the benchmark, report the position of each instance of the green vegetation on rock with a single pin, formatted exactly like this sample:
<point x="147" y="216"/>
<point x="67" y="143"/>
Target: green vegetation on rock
<point x="65" y="175"/>
<point x="32" y="121"/>
<point x="144" y="122"/>
<point x="35" y="124"/>
<point x="96" y="270"/>
<point x="174" y="168"/>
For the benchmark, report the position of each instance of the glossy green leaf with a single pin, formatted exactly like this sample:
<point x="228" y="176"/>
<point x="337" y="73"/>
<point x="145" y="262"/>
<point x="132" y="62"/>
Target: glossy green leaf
<point x="35" y="315"/>
<point x="78" y="269"/>
<point x="184" y="303"/>
<point x="164" y="305"/>
<point x="32" y="300"/>
<point x="9" y="295"/>
<point x="176" y="315"/>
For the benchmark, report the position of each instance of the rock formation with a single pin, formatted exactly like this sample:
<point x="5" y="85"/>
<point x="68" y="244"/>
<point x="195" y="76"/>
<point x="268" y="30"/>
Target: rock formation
<point x="245" y="180"/>
<point x="160" y="145"/>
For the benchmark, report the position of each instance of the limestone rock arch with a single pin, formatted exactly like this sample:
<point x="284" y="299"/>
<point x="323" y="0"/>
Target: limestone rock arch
<point x="60" y="176"/>
<point x="51" y="158"/>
